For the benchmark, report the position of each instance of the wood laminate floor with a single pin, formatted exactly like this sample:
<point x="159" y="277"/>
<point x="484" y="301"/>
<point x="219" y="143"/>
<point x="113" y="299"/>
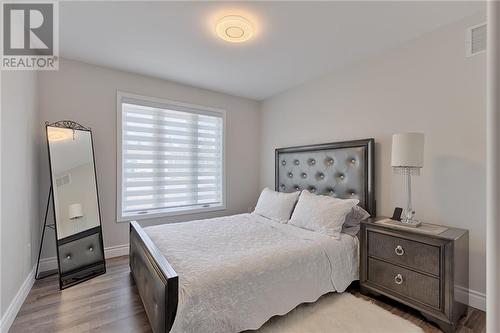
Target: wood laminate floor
<point x="111" y="303"/>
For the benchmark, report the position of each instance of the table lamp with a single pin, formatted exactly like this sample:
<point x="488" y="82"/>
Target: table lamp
<point x="407" y="160"/>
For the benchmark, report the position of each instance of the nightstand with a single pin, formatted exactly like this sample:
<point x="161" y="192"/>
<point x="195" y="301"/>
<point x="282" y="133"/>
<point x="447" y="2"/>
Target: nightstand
<point x="428" y="272"/>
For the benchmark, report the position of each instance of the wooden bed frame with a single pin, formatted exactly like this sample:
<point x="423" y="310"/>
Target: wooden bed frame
<point x="158" y="282"/>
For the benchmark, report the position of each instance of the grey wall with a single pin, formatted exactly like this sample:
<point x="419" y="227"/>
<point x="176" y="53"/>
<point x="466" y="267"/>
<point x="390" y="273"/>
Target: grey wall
<point x="19" y="179"/>
<point x="81" y="190"/>
<point x="427" y="85"/>
<point x="87" y="94"/>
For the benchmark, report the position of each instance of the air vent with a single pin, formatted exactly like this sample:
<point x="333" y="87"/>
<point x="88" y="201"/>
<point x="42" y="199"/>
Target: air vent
<point x="63" y="180"/>
<point x="476" y="40"/>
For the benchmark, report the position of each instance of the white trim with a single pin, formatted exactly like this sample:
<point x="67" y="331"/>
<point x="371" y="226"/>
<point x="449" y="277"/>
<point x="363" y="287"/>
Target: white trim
<point x="45" y="265"/>
<point x="474" y="298"/>
<point x="116" y="251"/>
<point x="119" y="171"/>
<point x="16" y="303"/>
<point x="202" y="109"/>
<point x="477" y="300"/>
<point x="162" y="101"/>
<point x="493" y="167"/>
<point x="166" y="213"/>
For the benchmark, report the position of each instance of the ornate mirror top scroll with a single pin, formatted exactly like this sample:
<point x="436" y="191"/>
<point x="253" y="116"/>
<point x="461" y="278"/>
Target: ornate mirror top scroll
<point x="68" y="124"/>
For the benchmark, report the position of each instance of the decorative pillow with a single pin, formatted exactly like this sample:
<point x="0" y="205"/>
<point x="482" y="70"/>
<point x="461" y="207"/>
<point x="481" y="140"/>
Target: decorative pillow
<point x="353" y="220"/>
<point x="321" y="213"/>
<point x="276" y="206"/>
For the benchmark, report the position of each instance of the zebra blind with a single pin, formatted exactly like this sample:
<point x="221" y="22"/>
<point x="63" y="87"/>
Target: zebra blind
<point x="172" y="158"/>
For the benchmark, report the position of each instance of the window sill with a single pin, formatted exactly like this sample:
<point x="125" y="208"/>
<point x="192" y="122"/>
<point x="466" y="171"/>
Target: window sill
<point x="167" y="213"/>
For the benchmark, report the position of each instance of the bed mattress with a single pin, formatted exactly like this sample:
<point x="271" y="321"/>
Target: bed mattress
<point x="238" y="271"/>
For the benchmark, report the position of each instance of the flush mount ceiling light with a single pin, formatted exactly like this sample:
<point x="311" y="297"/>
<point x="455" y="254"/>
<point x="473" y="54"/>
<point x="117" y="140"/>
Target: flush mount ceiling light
<point x="233" y="28"/>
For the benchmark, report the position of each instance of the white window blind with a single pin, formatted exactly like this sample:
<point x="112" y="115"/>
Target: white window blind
<point x="172" y="158"/>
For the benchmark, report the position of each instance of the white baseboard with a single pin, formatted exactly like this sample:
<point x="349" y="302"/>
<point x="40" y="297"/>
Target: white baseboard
<point x="46" y="264"/>
<point x="474" y="298"/>
<point x="116" y="251"/>
<point x="477" y="300"/>
<point x="15" y="305"/>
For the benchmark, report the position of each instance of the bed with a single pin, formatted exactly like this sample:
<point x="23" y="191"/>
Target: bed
<point x="233" y="273"/>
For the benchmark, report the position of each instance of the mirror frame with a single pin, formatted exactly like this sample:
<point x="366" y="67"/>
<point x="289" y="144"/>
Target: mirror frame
<point x="84" y="273"/>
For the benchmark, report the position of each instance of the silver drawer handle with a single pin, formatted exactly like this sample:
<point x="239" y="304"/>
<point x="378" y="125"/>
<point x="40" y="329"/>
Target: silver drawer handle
<point x="399" y="250"/>
<point x="398" y="279"/>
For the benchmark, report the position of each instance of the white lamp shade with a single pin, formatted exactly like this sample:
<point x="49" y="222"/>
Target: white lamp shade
<point x="408" y="150"/>
<point x="75" y="211"/>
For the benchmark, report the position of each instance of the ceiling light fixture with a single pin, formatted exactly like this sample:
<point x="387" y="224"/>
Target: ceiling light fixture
<point x="235" y="29"/>
<point x="59" y="134"/>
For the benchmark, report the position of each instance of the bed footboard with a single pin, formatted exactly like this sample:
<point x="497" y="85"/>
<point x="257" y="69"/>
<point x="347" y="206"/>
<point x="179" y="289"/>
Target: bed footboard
<point x="156" y="280"/>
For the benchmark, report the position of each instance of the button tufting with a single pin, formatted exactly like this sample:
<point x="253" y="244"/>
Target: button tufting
<point x="297" y="188"/>
<point x="296" y="162"/>
<point x="329" y="161"/>
<point x="290" y="175"/>
<point x="303" y="175"/>
<point x="283" y="162"/>
<point x="91" y="249"/>
<point x="312" y="161"/>
<point x="68" y="257"/>
<point x="312" y="189"/>
<point x="342" y="176"/>
<point x="282" y="186"/>
<point x="353" y="161"/>
<point x="353" y="194"/>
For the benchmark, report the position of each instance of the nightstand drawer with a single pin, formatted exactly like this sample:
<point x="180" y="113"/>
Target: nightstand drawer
<point x="420" y="256"/>
<point x="413" y="285"/>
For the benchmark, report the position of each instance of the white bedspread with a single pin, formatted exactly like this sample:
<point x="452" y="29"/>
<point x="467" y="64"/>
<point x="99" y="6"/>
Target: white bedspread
<point x="238" y="271"/>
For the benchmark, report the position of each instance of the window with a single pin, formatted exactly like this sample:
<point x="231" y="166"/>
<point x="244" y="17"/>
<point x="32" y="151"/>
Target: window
<point x="170" y="158"/>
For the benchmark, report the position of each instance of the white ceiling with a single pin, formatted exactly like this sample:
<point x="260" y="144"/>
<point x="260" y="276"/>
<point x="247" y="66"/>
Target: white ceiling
<point x="295" y="41"/>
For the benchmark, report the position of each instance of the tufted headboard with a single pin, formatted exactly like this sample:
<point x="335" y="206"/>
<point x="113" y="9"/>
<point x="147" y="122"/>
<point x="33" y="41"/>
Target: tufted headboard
<point x="341" y="169"/>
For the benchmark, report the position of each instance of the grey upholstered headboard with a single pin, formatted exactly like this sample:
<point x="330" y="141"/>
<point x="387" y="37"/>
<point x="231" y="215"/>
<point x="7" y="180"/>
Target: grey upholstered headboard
<point x="341" y="169"/>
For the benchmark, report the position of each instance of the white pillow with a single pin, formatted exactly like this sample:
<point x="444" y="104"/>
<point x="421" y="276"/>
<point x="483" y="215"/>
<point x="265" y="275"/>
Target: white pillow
<point x="321" y="213"/>
<point x="353" y="220"/>
<point x="276" y="206"/>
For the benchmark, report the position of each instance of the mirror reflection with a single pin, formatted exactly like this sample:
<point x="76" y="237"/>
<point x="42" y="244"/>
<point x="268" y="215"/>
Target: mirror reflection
<point x="73" y="180"/>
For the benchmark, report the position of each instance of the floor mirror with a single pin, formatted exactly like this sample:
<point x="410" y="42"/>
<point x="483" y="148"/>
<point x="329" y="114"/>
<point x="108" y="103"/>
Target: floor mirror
<point x="75" y="203"/>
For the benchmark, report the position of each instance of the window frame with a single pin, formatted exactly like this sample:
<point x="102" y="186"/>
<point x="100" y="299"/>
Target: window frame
<point x="159" y="102"/>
